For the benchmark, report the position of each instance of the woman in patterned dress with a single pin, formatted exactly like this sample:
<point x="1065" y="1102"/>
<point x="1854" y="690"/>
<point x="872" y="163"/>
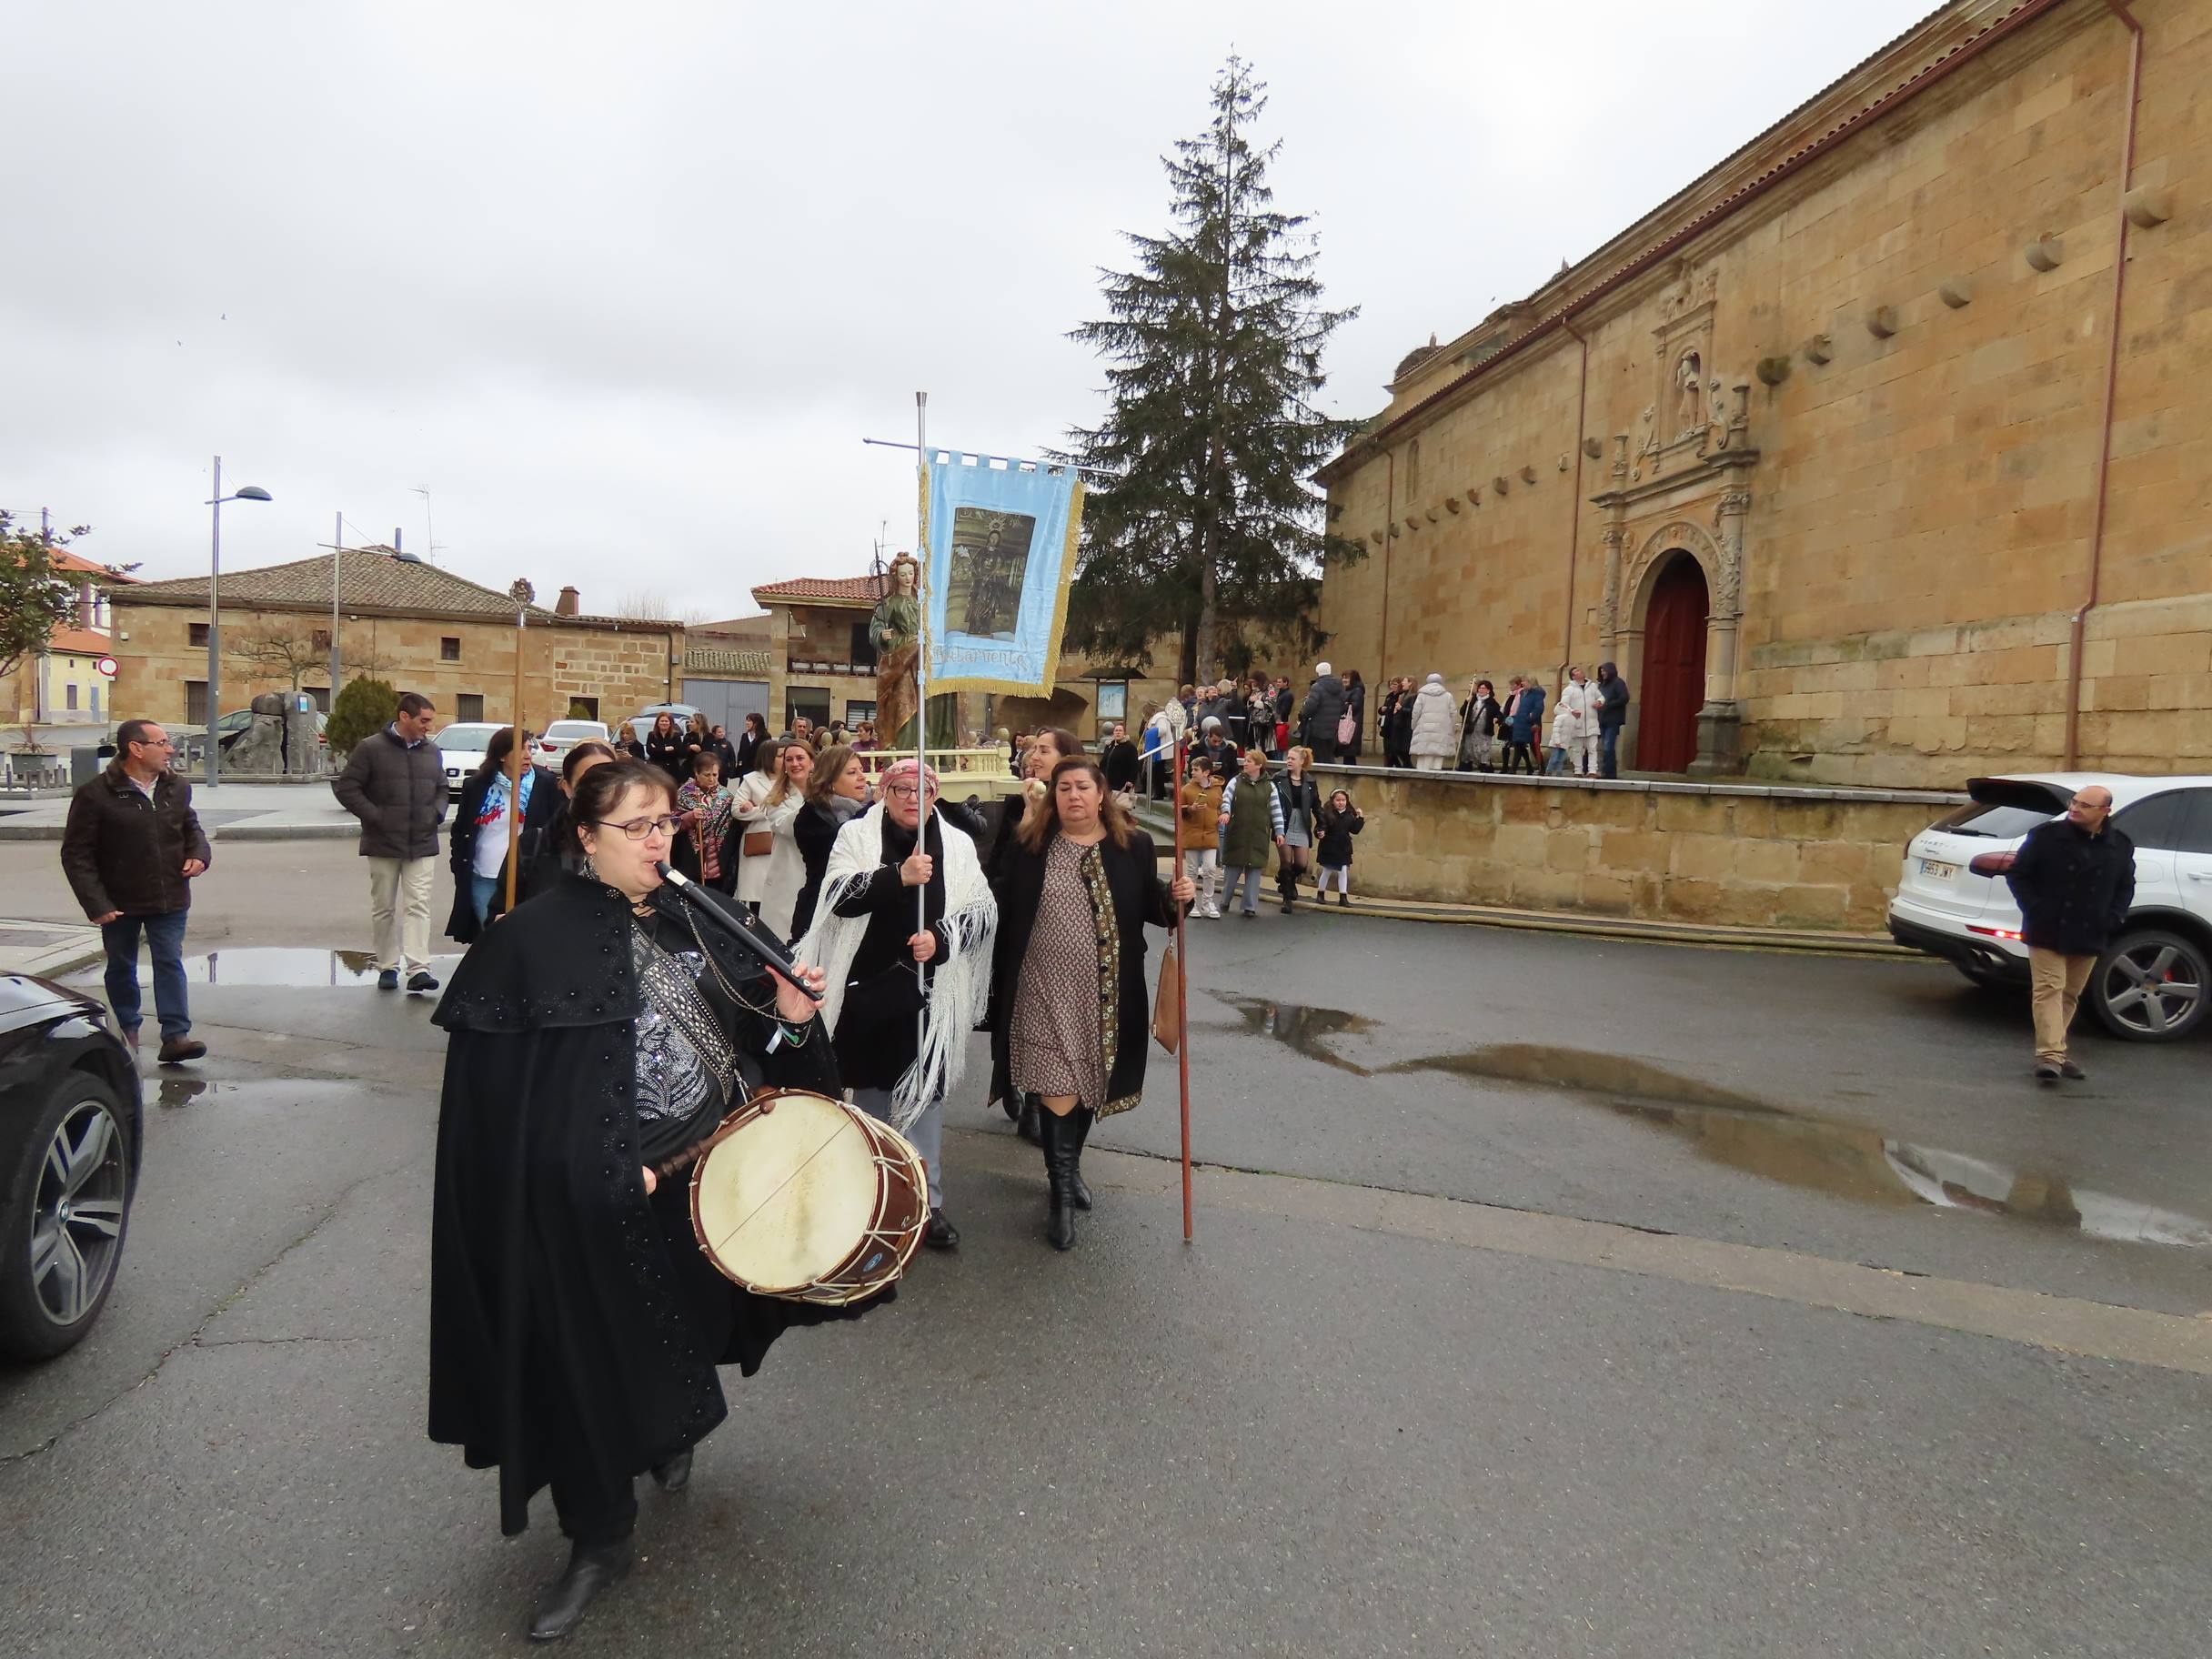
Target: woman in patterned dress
<point x="1070" y="1015"/>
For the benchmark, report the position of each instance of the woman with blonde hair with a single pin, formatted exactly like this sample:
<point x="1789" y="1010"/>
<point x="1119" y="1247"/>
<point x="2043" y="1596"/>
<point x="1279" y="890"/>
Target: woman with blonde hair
<point x="1300" y="801"/>
<point x="1070" y="1012"/>
<point x="772" y="871"/>
<point x="1043" y="751"/>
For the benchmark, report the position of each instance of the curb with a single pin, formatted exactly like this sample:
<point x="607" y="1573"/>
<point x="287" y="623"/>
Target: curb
<point x="1628" y="928"/>
<point x="226" y="832"/>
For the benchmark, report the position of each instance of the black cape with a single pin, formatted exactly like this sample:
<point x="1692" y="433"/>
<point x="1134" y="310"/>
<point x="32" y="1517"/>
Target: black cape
<point x="573" y="1323"/>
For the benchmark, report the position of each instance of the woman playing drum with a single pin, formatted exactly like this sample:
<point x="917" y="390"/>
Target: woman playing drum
<point x="575" y="1325"/>
<point x="1070" y="1019"/>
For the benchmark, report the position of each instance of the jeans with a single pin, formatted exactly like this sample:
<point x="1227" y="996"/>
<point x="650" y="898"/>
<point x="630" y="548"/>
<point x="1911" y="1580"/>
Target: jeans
<point x="1608" y="747"/>
<point x="1203" y="866"/>
<point x="927" y="1133"/>
<point x="1248" y="879"/>
<point x="480" y="892"/>
<point x="164" y="939"/>
<point x="1558" y="764"/>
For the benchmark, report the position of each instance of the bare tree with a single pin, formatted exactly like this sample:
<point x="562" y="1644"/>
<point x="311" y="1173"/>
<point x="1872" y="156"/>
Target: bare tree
<point x="275" y="652"/>
<point x="650" y="604"/>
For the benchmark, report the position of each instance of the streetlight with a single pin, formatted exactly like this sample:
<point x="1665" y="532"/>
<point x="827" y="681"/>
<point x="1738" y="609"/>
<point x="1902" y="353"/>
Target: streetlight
<point x="252" y="492"/>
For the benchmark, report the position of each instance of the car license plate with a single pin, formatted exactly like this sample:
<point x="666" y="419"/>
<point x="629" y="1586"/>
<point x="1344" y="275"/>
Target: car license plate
<point x="1937" y="871"/>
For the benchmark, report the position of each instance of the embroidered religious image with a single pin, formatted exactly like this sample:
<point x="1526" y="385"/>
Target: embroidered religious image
<point x="990" y="554"/>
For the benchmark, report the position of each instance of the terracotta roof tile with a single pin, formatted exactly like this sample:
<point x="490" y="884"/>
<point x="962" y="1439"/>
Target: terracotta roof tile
<point x="63" y="559"/>
<point x="81" y="641"/>
<point x="865" y="589"/>
<point x="369" y="579"/>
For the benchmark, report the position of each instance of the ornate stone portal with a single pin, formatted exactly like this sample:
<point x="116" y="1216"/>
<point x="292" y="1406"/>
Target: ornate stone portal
<point x="1686" y="490"/>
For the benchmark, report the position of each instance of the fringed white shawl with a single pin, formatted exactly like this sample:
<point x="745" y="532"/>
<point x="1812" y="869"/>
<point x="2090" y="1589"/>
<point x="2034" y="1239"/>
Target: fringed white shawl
<point x="961" y="985"/>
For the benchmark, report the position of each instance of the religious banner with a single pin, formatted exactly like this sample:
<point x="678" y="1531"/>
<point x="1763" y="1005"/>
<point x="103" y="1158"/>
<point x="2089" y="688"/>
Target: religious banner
<point x="1001" y="552"/>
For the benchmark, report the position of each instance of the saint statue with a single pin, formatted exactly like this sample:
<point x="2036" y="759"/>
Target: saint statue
<point x="1689" y="377"/>
<point x="895" y="631"/>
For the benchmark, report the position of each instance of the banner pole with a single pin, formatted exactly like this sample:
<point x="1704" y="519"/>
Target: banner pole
<point x="516" y="758"/>
<point x="1182" y="1002"/>
<point x="922" y="700"/>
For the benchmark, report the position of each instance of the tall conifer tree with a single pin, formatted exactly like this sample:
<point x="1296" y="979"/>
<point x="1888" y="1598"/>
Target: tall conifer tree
<point x="1200" y="515"/>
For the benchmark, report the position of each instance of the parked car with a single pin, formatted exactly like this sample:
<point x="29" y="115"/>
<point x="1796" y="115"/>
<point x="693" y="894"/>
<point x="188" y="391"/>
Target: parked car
<point x="562" y="735"/>
<point x="461" y="747"/>
<point x="69" y="1138"/>
<point x="2151" y="984"/>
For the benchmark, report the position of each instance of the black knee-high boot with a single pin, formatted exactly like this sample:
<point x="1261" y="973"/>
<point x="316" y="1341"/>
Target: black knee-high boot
<point x="1286" y="883"/>
<point x="1025" y="1123"/>
<point x="1057" y="1138"/>
<point x="1079" y="1191"/>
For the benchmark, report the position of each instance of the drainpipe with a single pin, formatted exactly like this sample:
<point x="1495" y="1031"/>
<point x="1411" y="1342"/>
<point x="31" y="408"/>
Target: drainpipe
<point x="1390" y="534"/>
<point x="1574" y="518"/>
<point x="2080" y="634"/>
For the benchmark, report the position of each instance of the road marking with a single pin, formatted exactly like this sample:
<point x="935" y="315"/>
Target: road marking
<point x="2062" y="1324"/>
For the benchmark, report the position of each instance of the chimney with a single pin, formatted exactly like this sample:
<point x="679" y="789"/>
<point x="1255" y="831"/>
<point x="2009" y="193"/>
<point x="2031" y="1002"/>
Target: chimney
<point x="395" y="538"/>
<point x="568" y="604"/>
<point x="87" y="607"/>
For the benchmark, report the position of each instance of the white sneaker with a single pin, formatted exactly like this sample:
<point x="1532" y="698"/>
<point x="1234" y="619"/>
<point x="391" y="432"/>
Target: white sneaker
<point x="1213" y="912"/>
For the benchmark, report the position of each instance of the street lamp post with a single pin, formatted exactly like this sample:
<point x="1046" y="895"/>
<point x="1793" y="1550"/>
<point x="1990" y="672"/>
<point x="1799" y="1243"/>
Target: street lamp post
<point x="215" y="613"/>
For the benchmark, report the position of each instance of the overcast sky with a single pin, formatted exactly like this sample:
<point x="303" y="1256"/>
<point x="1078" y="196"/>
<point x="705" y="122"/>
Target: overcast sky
<point x="625" y="286"/>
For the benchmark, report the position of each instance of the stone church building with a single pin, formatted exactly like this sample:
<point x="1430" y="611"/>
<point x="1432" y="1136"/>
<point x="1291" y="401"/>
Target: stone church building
<point x="1882" y="454"/>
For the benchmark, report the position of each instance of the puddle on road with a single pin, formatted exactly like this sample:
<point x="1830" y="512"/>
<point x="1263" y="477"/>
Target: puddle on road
<point x="1304" y="1029"/>
<point x="1756" y="1137"/>
<point x="278" y="965"/>
<point x="184" y="1091"/>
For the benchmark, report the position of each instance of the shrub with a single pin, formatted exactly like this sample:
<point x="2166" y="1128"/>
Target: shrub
<point x="363" y="707"/>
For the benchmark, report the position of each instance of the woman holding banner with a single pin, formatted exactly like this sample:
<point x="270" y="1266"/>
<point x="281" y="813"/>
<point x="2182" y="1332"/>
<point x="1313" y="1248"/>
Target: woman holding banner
<point x="1046" y="750"/>
<point x="1070" y="1019"/>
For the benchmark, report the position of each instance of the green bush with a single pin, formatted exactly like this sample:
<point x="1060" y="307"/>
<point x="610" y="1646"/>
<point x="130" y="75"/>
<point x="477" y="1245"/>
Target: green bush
<point x="362" y="707"/>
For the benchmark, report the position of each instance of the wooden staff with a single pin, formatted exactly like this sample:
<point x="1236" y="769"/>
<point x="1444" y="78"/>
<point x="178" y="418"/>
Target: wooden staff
<point x="513" y="782"/>
<point x="1183" y="1003"/>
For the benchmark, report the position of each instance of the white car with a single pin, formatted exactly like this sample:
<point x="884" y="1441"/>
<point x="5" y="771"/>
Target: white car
<point x="561" y="736"/>
<point x="2151" y="984"/>
<point x="461" y="749"/>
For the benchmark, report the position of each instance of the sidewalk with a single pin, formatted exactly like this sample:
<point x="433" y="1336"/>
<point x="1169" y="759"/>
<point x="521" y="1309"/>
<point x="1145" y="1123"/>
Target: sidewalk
<point x="229" y="812"/>
<point x="47" y="947"/>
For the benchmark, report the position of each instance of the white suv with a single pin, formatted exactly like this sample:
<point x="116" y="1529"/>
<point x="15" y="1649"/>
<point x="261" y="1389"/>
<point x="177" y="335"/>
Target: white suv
<point x="561" y="735"/>
<point x="2151" y="984"/>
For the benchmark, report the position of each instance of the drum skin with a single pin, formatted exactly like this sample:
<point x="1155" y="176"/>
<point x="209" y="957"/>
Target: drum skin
<point x="809" y="1199"/>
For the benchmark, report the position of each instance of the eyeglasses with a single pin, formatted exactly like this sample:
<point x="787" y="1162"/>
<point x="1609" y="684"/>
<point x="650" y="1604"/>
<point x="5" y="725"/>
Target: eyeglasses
<point x="637" y="828"/>
<point x="902" y="791"/>
<point x="153" y="743"/>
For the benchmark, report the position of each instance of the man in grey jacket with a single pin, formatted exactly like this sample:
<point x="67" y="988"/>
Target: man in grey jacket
<point x="395" y="783"/>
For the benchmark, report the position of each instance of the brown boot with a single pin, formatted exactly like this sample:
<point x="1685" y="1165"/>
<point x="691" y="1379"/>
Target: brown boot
<point x="175" y="1050"/>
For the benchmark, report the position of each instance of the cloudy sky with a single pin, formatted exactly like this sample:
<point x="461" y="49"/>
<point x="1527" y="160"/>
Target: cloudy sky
<point x="624" y="287"/>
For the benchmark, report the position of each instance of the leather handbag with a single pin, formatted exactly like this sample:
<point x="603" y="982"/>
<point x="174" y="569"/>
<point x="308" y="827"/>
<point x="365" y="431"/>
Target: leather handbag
<point x="1168" y="1001"/>
<point x="758" y="843"/>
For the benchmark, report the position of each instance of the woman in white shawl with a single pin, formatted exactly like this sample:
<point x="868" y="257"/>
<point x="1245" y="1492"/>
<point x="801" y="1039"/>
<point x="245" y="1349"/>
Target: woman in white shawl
<point x="767" y="804"/>
<point x="901" y="910"/>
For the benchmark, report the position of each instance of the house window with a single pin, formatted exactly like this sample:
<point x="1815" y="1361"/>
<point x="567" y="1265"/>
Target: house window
<point x="96" y="700"/>
<point x="196" y="633"/>
<point x="583" y="708"/>
<point x="863" y="653"/>
<point x="196" y="702"/>
<point x="69" y="695"/>
<point x="468" y="706"/>
<point x="320" y="697"/>
<point x="322" y="639"/>
<point x="449" y="650"/>
<point x="855" y="712"/>
<point x="813" y="701"/>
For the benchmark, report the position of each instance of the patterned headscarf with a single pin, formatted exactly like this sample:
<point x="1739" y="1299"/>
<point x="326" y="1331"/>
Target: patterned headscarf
<point x="904" y="771"/>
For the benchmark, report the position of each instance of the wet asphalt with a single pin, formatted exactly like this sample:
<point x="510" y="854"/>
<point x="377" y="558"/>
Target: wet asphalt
<point x="1288" y="1438"/>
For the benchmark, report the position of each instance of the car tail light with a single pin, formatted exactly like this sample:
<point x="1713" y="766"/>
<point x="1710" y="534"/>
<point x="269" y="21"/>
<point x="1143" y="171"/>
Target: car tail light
<point x="1991" y="863"/>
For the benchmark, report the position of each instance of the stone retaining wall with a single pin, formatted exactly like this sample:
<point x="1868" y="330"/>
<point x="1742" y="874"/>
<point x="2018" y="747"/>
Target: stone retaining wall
<point x="1740" y="855"/>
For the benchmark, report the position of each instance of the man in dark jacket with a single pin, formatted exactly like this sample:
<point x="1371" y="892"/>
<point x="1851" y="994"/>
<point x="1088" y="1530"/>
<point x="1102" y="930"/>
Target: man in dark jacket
<point x="1611" y="715"/>
<point x="395" y="783"/>
<point x="2075" y="879"/>
<point x="1119" y="759"/>
<point x="130" y="849"/>
<point x="1324" y="706"/>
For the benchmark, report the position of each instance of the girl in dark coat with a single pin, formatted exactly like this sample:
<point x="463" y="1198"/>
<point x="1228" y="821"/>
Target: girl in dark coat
<point x="479" y="837"/>
<point x="1340" y="821"/>
<point x="1071" y="1014"/>
<point x="749" y="747"/>
<point x="575" y="1325"/>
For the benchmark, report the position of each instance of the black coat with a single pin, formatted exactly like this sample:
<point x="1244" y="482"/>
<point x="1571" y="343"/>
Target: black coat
<point x="124" y="852"/>
<point x="1324" y="706"/>
<point x="573" y="1322"/>
<point x="2074" y="887"/>
<point x="667" y="753"/>
<point x="1139" y="896"/>
<point x="815" y="830"/>
<point x="532" y="847"/>
<point x="747" y="756"/>
<point x="1119" y="762"/>
<point x="397" y="791"/>
<point x="1336" y="832"/>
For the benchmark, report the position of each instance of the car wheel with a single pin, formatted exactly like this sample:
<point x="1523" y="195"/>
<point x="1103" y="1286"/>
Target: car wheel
<point x="66" y="1203"/>
<point x="2150" y="987"/>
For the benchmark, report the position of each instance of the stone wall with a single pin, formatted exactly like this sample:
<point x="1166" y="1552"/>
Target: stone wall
<point x="1921" y="325"/>
<point x="1739" y="855"/>
<point x="624" y="669"/>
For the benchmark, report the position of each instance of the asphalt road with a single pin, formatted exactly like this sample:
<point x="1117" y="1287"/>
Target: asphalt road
<point x="1319" y="1429"/>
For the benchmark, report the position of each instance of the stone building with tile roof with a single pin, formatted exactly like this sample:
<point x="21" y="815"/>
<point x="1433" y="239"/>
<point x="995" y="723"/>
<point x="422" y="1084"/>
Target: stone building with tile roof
<point x="63" y="685"/>
<point x="1878" y="455"/>
<point x="420" y="626"/>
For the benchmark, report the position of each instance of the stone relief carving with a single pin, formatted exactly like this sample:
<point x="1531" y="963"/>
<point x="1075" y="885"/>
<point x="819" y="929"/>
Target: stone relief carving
<point x="1724" y="584"/>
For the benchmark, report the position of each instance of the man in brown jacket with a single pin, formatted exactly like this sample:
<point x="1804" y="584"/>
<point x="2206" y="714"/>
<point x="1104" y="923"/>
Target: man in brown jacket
<point x="395" y="783"/>
<point x="130" y="849"/>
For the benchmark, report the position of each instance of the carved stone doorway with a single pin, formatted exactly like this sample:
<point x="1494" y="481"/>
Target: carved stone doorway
<point x="1674" y="667"/>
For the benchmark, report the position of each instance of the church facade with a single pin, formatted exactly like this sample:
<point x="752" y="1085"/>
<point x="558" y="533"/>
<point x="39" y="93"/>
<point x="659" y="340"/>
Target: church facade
<point x="1881" y="454"/>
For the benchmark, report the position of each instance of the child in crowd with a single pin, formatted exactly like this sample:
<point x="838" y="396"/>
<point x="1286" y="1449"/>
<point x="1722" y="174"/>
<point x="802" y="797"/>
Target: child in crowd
<point x="1566" y="734"/>
<point x="1201" y="836"/>
<point x="1340" y="821"/>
